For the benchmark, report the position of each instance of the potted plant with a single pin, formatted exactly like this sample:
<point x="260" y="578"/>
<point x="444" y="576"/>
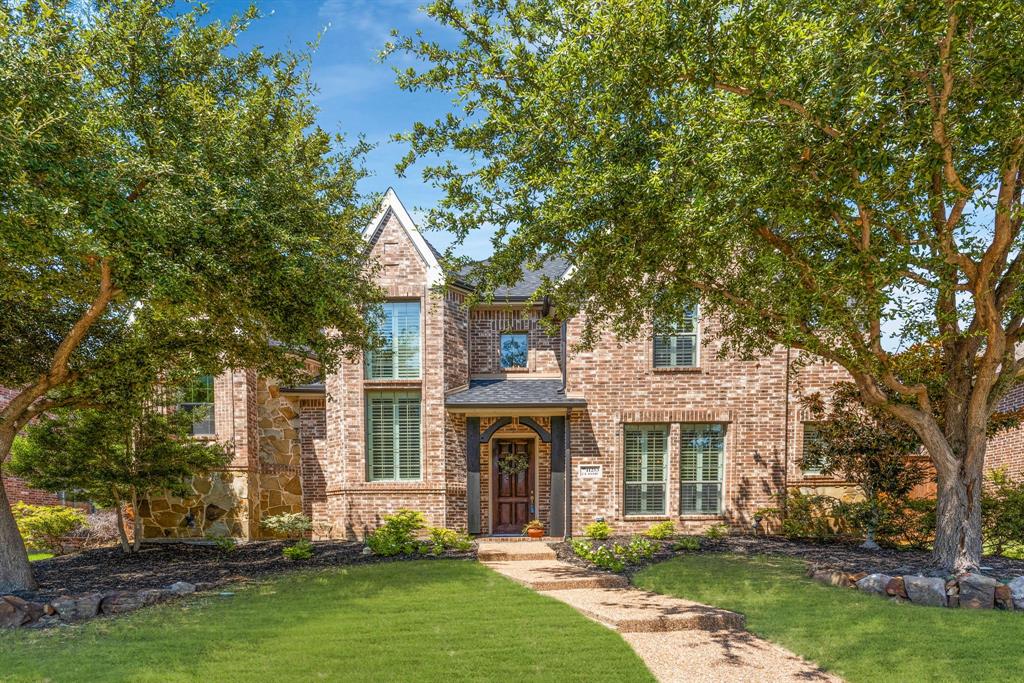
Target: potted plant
<point x="534" y="529"/>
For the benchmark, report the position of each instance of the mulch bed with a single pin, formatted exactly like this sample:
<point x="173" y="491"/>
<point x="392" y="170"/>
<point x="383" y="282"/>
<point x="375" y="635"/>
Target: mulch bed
<point x="833" y="555"/>
<point x="206" y="566"/>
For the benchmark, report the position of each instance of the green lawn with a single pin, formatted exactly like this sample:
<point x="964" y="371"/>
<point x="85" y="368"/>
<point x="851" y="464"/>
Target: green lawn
<point x="32" y="557"/>
<point x="860" y="637"/>
<point x="407" y="621"/>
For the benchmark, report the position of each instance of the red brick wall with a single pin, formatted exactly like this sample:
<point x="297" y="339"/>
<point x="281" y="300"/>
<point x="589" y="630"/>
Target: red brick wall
<point x="17" y="490"/>
<point x="1006" y="449"/>
<point x="486" y="325"/>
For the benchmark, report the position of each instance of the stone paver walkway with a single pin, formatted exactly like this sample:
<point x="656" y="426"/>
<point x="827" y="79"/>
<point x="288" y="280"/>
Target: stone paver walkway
<point x="678" y="640"/>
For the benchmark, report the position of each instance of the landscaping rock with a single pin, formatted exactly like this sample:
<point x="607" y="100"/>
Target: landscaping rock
<point x="15" y="612"/>
<point x="926" y="590"/>
<point x="1003" y="597"/>
<point x="977" y="591"/>
<point x="182" y="588"/>
<point x="874" y="583"/>
<point x="896" y="588"/>
<point x="152" y="596"/>
<point x="1017" y="592"/>
<point x="77" y="608"/>
<point x="120" y="603"/>
<point x="832" y="578"/>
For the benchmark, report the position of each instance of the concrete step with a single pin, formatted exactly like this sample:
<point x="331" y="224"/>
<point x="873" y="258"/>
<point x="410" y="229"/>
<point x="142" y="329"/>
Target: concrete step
<point x="490" y="551"/>
<point x="547" y="575"/>
<point x="629" y="610"/>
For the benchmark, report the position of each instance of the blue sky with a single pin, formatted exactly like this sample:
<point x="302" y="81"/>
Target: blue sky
<point x="358" y="93"/>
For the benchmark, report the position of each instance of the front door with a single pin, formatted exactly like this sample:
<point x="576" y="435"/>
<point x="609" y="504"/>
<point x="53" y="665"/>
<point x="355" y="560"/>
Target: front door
<point x="513" y="489"/>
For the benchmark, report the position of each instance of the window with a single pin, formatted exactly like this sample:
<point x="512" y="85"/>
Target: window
<point x="399" y="355"/>
<point x="646" y="469"/>
<point x="198" y="398"/>
<point x="393" y="435"/>
<point x="701" y="465"/>
<point x="676" y="345"/>
<point x="812" y="436"/>
<point x="514" y="347"/>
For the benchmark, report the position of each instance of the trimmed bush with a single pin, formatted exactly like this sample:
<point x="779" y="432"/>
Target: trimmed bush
<point x="616" y="556"/>
<point x="597" y="531"/>
<point x="288" y="524"/>
<point x="440" y="539"/>
<point x="661" y="530"/>
<point x="44" y="527"/>
<point x="300" y="550"/>
<point x="397" y="536"/>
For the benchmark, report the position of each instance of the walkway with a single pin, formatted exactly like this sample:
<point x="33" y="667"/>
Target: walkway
<point x="679" y="640"/>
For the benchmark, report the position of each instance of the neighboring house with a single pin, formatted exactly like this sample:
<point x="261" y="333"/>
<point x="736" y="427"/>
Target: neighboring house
<point x="483" y="420"/>
<point x="18" y="491"/>
<point x="1006" y="449"/>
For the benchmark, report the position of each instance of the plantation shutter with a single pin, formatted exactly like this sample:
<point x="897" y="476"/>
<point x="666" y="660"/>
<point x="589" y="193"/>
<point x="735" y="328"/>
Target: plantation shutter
<point x="398" y="357"/>
<point x="701" y="467"/>
<point x="811" y="437"/>
<point x="393" y="436"/>
<point x="645" y="464"/>
<point x="675" y="346"/>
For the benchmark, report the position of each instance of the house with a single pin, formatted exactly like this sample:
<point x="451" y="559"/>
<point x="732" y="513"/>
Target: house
<point x="18" y="490"/>
<point x="485" y="418"/>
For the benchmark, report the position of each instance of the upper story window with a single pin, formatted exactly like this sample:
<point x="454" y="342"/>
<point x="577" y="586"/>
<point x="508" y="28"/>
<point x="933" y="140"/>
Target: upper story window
<point x="393" y="436"/>
<point x="811" y="438"/>
<point x="646" y="469"/>
<point x="701" y="468"/>
<point x="198" y="398"/>
<point x="399" y="355"/>
<point x="677" y="345"/>
<point x="514" y="350"/>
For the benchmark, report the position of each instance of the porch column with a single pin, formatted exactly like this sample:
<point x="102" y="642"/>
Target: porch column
<point x="557" y="513"/>
<point x="473" y="474"/>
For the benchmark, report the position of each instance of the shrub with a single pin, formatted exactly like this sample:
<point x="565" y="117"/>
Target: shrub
<point x="809" y="516"/>
<point x="616" y="556"/>
<point x="225" y="544"/>
<point x="44" y="527"/>
<point x="1002" y="509"/>
<point x="397" y="536"/>
<point x="440" y="539"/>
<point x="99" y="531"/>
<point x="716" y="532"/>
<point x="597" y="531"/>
<point x="687" y="543"/>
<point x="288" y="524"/>
<point x="300" y="550"/>
<point x="913" y="525"/>
<point x="661" y="530"/>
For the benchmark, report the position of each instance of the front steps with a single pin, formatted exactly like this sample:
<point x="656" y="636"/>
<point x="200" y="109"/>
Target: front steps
<point x="503" y="551"/>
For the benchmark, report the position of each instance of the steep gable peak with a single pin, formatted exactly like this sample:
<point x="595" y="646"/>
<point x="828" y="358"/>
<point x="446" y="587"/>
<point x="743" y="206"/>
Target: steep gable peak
<point x="391" y="205"/>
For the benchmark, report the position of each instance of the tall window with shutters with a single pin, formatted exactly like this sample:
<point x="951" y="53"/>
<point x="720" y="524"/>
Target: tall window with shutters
<point x="398" y="357"/>
<point x="677" y="345"/>
<point x="812" y="437"/>
<point x="701" y="468"/>
<point x="393" y="450"/>
<point x="646" y="469"/>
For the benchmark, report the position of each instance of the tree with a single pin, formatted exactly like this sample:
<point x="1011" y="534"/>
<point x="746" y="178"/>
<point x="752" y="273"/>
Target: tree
<point x="867" y="447"/>
<point x="819" y="175"/>
<point x="168" y="205"/>
<point x="116" y="454"/>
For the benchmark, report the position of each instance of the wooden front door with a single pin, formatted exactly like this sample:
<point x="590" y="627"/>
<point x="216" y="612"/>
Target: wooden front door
<point x="513" y="493"/>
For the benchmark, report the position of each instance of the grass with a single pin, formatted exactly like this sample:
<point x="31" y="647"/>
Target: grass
<point x="403" y="621"/>
<point x="32" y="557"/>
<point x="860" y="637"/>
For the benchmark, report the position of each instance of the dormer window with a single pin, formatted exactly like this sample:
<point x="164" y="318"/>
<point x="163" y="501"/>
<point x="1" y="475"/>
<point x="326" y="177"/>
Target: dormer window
<point x="677" y="344"/>
<point x="514" y="350"/>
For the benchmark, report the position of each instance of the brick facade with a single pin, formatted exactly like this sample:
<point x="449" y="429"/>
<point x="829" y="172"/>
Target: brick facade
<point x="17" y="490"/>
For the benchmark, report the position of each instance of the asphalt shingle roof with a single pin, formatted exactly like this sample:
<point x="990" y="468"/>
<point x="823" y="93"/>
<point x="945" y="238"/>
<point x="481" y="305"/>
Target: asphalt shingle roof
<point x="529" y="393"/>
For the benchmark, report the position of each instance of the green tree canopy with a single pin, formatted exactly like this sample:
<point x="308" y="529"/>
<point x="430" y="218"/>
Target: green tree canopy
<point x="813" y="172"/>
<point x="167" y="202"/>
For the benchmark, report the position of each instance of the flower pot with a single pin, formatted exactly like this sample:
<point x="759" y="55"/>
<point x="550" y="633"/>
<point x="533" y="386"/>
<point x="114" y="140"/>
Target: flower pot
<point x="535" y="533"/>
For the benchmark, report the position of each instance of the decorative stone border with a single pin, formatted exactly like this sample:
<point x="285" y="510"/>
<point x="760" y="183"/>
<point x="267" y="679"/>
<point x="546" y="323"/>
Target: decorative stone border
<point x="18" y="613"/>
<point x="968" y="591"/>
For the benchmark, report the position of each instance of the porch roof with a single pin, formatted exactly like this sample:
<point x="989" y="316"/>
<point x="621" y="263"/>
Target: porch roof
<point x="508" y="393"/>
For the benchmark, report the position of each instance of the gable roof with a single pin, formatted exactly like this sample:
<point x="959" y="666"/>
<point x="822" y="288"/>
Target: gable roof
<point x="392" y="205"/>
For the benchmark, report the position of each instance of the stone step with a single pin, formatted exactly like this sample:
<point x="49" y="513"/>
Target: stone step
<point x="547" y="575"/>
<point x="629" y="610"/>
<point x="514" y="552"/>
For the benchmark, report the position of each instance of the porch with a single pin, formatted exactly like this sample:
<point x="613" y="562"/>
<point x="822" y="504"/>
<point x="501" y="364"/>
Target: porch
<point x="516" y="454"/>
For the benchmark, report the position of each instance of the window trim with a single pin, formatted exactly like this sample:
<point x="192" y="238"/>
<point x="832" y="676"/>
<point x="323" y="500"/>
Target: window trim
<point x="696" y="334"/>
<point x="808" y="473"/>
<point x="211" y="391"/>
<point x="396" y="453"/>
<point x="501" y="356"/>
<point x="394" y="376"/>
<point x="647" y="427"/>
<point x="721" y="471"/>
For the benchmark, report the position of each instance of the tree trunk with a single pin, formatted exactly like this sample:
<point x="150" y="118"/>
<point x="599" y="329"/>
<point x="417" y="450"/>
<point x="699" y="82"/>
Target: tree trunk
<point x="15" y="570"/>
<point x="958" y="514"/>
<point x="122" y="532"/>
